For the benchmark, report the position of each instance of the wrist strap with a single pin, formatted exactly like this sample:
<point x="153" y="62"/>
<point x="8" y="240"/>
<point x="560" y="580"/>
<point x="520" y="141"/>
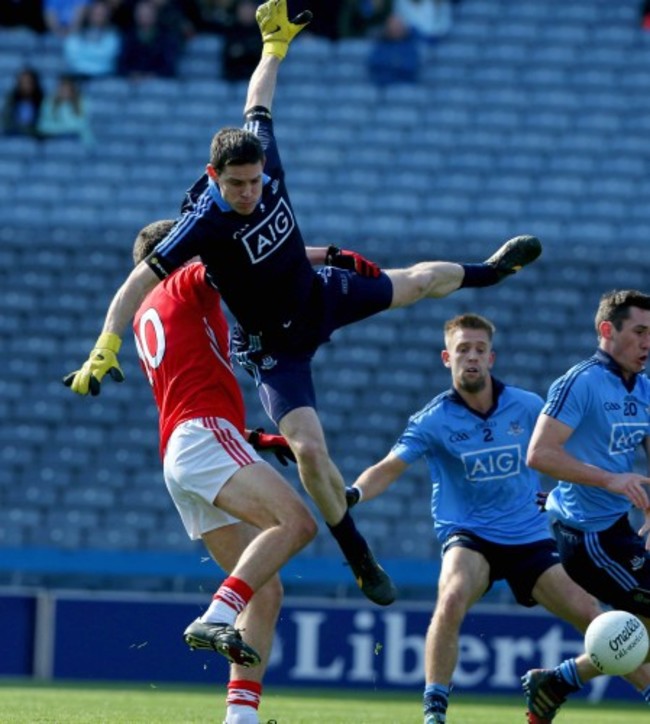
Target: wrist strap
<point x="108" y="340"/>
<point x="257" y="112"/>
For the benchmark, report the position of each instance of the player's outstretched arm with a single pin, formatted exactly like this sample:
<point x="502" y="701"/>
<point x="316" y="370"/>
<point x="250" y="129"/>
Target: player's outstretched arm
<point x="102" y="359"/>
<point x="375" y="479"/>
<point x="261" y="87"/>
<point x="277" y="33"/>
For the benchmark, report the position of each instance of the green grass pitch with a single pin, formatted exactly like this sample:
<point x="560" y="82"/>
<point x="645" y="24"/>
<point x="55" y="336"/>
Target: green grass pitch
<point x="93" y="703"/>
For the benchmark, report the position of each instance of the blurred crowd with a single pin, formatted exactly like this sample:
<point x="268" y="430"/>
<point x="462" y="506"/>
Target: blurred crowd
<point x="144" y="38"/>
<point x="334" y="19"/>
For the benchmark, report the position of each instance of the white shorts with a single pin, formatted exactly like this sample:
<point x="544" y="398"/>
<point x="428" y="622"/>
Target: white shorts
<point x="201" y="456"/>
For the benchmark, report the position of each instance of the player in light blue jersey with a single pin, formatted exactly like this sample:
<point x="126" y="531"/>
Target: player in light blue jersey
<point x="474" y="438"/>
<point x="596" y="417"/>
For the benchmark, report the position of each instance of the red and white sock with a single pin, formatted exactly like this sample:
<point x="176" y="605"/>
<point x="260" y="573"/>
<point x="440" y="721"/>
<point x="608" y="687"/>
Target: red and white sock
<point x="243" y="701"/>
<point x="228" y="602"/>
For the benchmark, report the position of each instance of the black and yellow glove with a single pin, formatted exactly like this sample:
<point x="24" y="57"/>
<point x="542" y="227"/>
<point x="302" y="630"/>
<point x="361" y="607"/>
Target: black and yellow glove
<point x="276" y="28"/>
<point x="102" y="360"/>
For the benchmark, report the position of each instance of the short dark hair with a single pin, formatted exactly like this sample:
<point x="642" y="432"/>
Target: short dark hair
<point x="149" y="237"/>
<point x="615" y="306"/>
<point x="235" y="147"/>
<point x="469" y="321"/>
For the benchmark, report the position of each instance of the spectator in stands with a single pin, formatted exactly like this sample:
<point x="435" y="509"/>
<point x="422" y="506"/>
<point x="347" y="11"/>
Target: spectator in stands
<point x="395" y="55"/>
<point x="363" y="18"/>
<point x="250" y="520"/>
<point x="428" y="19"/>
<point x="64" y="113"/>
<point x="595" y="420"/>
<point x="238" y="217"/>
<point x="22" y="13"/>
<point x="121" y="13"/>
<point x="216" y="15"/>
<point x="242" y="44"/>
<point x="92" y="51"/>
<point x="23" y="104"/>
<point x="148" y="48"/>
<point x="181" y="18"/>
<point x="474" y="439"/>
<point x="64" y="16"/>
<point x="327" y="18"/>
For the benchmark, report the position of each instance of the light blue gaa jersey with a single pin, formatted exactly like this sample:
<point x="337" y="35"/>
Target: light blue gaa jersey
<point x="478" y="465"/>
<point x="609" y="419"/>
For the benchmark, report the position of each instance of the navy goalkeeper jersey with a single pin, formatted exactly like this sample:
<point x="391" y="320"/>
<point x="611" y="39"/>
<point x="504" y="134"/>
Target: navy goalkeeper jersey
<point x="258" y="262"/>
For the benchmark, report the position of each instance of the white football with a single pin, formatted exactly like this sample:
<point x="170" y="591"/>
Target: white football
<point x="616" y="642"/>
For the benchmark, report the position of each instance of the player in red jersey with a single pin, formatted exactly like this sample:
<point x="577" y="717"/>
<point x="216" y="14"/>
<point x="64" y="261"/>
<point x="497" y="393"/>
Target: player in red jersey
<point x="248" y="517"/>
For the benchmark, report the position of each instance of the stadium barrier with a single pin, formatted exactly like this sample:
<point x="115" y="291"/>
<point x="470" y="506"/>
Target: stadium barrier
<point x="101" y="636"/>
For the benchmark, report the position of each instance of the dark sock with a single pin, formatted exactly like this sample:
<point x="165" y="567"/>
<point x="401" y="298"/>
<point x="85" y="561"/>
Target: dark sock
<point x="567" y="673"/>
<point x="350" y="541"/>
<point x="436" y="698"/>
<point x="479" y="275"/>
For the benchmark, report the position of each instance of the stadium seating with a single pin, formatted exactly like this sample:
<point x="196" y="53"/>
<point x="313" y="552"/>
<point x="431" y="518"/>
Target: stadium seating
<point x="530" y="117"/>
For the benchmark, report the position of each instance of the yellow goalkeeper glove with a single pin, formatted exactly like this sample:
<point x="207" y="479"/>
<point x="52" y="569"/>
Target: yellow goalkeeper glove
<point x="101" y="361"/>
<point x="277" y="30"/>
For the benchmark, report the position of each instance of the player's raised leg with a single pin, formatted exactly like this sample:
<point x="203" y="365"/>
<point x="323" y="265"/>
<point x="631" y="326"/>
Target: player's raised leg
<point x="435" y="279"/>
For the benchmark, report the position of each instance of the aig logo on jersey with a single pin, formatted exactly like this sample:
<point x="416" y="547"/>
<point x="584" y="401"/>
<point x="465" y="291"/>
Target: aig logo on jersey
<point x="626" y="437"/>
<point x="492" y="463"/>
<point x="266" y="237"/>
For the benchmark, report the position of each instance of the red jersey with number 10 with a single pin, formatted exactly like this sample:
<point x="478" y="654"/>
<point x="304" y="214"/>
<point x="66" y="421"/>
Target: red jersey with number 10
<point x="182" y="339"/>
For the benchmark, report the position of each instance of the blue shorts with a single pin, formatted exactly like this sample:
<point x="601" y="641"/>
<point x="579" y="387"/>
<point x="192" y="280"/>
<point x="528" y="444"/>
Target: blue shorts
<point x="519" y="565"/>
<point x="612" y="565"/>
<point x="280" y="363"/>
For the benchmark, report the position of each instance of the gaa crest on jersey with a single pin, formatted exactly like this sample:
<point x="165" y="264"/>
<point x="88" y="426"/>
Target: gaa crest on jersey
<point x="267" y="362"/>
<point x="270" y="234"/>
<point x="637" y="563"/>
<point x="515" y="428"/>
<point x="626" y="437"/>
<point x="492" y="463"/>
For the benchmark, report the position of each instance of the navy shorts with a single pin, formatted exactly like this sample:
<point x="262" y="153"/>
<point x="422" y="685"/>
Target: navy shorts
<point x="519" y="565"/>
<point x="612" y="565"/>
<point x="281" y="363"/>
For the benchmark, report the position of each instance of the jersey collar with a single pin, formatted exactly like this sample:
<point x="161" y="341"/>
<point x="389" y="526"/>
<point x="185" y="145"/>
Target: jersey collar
<point x="218" y="198"/>
<point x="497" y="388"/>
<point x="609" y="363"/>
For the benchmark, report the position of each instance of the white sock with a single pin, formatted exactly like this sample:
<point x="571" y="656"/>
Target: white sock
<point x="238" y="714"/>
<point x="219" y="612"/>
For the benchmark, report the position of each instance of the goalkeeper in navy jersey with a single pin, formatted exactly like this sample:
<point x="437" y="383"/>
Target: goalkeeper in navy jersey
<point x="238" y="219"/>
<point x="474" y="438"/>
